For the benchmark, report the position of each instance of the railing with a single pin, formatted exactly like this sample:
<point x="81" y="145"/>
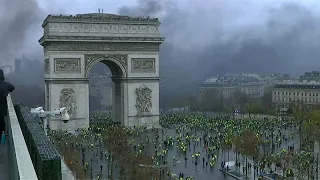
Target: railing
<point x="21" y="166"/>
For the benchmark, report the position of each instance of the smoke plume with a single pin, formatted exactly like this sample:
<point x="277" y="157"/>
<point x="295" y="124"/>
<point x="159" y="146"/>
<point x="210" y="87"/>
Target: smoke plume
<point x="17" y="18"/>
<point x="204" y="38"/>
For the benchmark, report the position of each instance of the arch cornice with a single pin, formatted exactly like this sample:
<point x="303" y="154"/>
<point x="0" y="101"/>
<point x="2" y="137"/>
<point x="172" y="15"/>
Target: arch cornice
<point x="121" y="60"/>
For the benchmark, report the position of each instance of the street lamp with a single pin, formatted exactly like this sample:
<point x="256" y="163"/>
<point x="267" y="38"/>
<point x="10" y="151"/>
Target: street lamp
<point x="91" y="168"/>
<point x="317" y="170"/>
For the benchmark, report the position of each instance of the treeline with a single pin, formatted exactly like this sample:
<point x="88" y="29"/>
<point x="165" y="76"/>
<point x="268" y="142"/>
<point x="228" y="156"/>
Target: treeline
<point x="210" y="102"/>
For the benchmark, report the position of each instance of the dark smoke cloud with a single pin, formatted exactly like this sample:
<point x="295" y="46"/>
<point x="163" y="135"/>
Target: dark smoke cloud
<point x="17" y="17"/>
<point x="225" y="37"/>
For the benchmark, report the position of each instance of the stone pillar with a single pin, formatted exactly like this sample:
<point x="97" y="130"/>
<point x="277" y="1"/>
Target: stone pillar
<point x="143" y="103"/>
<point x="143" y="90"/>
<point x="73" y="94"/>
<point x="67" y="86"/>
<point x="117" y="100"/>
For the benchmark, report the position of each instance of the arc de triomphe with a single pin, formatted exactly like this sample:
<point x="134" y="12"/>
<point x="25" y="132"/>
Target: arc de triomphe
<point x="128" y="46"/>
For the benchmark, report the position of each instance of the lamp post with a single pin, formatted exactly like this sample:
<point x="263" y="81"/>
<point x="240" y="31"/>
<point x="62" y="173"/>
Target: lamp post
<point x="317" y="170"/>
<point x="91" y="168"/>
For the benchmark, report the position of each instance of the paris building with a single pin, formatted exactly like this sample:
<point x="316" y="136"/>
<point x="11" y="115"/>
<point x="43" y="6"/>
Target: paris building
<point x="303" y="90"/>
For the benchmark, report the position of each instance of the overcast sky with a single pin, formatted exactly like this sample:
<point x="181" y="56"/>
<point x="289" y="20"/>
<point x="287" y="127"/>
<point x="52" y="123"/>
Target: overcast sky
<point x="203" y="37"/>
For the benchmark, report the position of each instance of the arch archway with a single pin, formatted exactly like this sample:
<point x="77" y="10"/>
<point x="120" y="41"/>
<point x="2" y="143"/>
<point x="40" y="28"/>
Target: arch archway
<point x="118" y="70"/>
<point x="116" y="64"/>
<point x="128" y="46"/>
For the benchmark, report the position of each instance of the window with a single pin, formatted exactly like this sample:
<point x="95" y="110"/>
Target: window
<point x="294" y="93"/>
<point x="289" y="93"/>
<point x="297" y="93"/>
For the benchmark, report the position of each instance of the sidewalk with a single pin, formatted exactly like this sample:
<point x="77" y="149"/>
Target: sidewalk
<point x="4" y="162"/>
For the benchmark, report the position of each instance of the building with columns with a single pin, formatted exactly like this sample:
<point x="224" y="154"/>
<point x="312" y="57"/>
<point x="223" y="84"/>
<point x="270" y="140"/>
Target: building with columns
<point x="304" y="89"/>
<point x="306" y="93"/>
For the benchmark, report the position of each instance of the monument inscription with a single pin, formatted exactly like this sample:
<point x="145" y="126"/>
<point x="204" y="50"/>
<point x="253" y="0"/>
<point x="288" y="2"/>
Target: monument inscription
<point x="142" y="65"/>
<point x="106" y="28"/>
<point x="67" y="65"/>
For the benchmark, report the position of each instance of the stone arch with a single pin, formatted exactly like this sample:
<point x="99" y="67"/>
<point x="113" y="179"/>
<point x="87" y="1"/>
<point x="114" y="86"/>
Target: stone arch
<point x="116" y="63"/>
<point x="128" y="46"/>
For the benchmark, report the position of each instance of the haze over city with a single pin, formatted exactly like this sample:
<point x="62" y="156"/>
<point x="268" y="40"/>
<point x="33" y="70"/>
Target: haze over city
<point x="203" y="38"/>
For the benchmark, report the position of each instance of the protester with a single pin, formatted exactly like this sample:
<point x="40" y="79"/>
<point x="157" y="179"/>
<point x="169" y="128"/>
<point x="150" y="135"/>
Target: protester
<point x="5" y="89"/>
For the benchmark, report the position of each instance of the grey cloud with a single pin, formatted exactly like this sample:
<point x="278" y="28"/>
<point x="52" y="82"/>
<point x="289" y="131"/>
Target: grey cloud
<point x="201" y="42"/>
<point x="16" y="18"/>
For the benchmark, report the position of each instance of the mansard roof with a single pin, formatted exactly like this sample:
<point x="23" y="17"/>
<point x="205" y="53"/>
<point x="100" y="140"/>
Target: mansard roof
<point x="297" y="86"/>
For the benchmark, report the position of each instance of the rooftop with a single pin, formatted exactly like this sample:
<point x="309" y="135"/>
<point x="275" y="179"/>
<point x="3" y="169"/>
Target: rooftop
<point x="297" y="86"/>
<point x="99" y="18"/>
<point x="234" y="79"/>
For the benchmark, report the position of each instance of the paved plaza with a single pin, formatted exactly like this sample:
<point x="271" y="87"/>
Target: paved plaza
<point x="99" y="162"/>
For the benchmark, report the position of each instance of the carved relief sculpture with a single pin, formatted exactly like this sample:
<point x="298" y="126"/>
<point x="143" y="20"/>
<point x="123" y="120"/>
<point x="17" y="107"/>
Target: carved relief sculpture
<point x="101" y="46"/>
<point x="143" y="99"/>
<point x="47" y="66"/>
<point x="142" y="65"/>
<point x="68" y="100"/>
<point x="67" y="65"/>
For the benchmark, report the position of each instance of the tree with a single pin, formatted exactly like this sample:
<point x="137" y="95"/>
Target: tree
<point x="116" y="140"/>
<point x="210" y="100"/>
<point x="247" y="143"/>
<point x="311" y="129"/>
<point x="298" y="112"/>
<point x="266" y="99"/>
<point x="240" y="100"/>
<point x="227" y="144"/>
<point x="312" y="125"/>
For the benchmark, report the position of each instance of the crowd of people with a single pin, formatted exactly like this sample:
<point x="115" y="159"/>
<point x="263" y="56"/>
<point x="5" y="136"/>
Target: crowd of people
<point x="202" y="141"/>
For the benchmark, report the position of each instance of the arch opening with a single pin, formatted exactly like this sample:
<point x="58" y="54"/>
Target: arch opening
<point x="105" y="94"/>
<point x="116" y="68"/>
